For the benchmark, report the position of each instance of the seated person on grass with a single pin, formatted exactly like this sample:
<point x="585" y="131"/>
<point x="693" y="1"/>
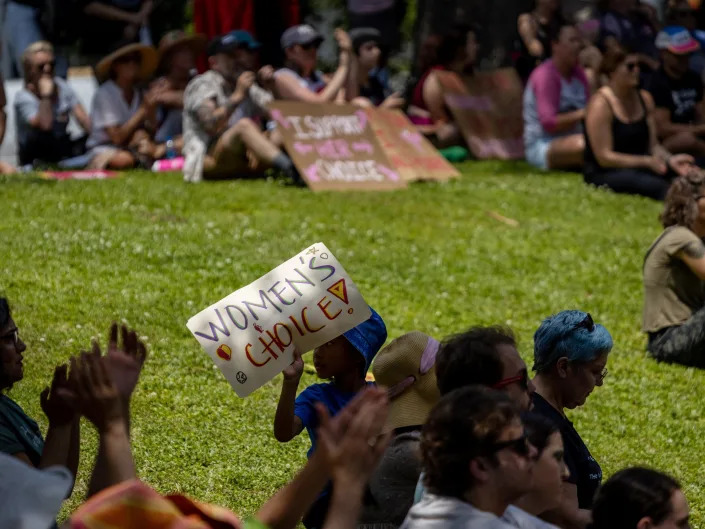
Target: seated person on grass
<point x="674" y="277"/>
<point x="43" y="108"/>
<point x="366" y="86"/>
<point x="477" y="461"/>
<point x="455" y="52"/>
<point x="678" y="94"/>
<point x="554" y="105"/>
<point x="345" y="360"/>
<point x="5" y="168"/>
<point x="222" y="111"/>
<point x="20" y="436"/>
<point x="177" y="66"/>
<point x="299" y="80"/>
<point x="122" y="114"/>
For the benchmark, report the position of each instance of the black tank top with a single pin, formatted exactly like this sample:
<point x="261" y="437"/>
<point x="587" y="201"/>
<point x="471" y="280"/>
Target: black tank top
<point x="628" y="138"/>
<point x="524" y="62"/>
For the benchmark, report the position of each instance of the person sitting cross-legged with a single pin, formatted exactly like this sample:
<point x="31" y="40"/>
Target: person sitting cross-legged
<point x="554" y="105"/>
<point x="477" y="461"/>
<point x="222" y="108"/>
<point x="43" y="108"/>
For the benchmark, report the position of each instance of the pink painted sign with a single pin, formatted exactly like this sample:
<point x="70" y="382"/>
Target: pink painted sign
<point x="334" y="147"/>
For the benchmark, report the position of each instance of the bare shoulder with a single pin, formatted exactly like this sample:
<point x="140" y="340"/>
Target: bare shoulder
<point x="648" y="99"/>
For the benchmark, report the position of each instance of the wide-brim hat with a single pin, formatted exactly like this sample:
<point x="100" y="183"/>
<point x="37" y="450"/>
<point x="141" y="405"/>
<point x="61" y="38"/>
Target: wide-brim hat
<point x="148" y="61"/>
<point x="407" y="368"/>
<point x="176" y="39"/>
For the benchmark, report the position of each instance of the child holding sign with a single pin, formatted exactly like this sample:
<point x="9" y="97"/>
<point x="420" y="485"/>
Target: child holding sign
<point x="346" y="360"/>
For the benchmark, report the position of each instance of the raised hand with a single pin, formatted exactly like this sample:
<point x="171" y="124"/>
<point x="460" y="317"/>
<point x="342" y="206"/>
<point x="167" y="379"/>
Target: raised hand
<point x="295" y="369"/>
<point x="352" y="442"/>
<point x="344" y="41"/>
<point x="244" y="83"/>
<point x="124" y="359"/>
<point x="57" y="409"/>
<point x="92" y="393"/>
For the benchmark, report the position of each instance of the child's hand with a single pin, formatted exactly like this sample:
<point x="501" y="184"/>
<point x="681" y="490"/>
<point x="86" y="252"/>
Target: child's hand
<point x="296" y="369"/>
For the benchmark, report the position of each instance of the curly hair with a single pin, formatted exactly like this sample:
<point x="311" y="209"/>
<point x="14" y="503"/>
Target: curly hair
<point x="681" y="206"/>
<point x="461" y="427"/>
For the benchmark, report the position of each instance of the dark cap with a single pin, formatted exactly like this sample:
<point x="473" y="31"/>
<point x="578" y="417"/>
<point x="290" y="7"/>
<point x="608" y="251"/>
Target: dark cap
<point x="303" y="35"/>
<point x="360" y="36"/>
<point x="231" y="41"/>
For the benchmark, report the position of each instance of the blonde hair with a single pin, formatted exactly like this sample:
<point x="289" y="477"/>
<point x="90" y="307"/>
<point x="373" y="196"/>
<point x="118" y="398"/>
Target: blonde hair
<point x="41" y="46"/>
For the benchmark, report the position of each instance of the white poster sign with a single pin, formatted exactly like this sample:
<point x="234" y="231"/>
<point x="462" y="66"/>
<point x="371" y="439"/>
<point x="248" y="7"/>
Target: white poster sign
<point x="304" y="302"/>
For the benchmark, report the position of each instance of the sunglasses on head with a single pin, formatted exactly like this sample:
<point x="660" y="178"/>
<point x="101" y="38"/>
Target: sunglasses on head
<point x="519" y="446"/>
<point x="522" y="379"/>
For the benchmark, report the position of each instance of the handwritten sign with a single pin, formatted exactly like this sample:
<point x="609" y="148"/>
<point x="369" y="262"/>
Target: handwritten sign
<point x="304" y="302"/>
<point x="487" y="107"/>
<point x="333" y="147"/>
<point x="412" y="155"/>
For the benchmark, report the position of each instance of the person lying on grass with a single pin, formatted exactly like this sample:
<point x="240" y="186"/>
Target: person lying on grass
<point x="223" y="112"/>
<point x="674" y="275"/>
<point x="570" y="359"/>
<point x="350" y="446"/>
<point x="641" y="498"/>
<point x="345" y="360"/>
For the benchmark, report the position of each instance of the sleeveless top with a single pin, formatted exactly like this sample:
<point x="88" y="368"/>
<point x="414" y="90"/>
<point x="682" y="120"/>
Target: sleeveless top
<point x="417" y="97"/>
<point x="524" y="62"/>
<point x="628" y="138"/>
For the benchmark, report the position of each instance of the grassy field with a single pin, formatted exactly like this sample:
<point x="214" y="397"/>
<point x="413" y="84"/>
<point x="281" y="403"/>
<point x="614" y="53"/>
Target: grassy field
<point x="154" y="251"/>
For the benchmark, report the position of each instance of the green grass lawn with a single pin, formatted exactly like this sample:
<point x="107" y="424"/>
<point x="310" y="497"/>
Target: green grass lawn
<point x="154" y="251"/>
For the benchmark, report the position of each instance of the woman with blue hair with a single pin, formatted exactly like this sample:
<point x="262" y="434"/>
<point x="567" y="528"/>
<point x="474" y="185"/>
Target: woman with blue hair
<point x="570" y="358"/>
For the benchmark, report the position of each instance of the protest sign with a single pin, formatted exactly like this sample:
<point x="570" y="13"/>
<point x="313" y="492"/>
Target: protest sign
<point x="487" y="107"/>
<point x="303" y="303"/>
<point x="333" y="147"/>
<point x="412" y="155"/>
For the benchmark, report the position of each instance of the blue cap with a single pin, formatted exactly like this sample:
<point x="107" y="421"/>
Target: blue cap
<point x="231" y="41"/>
<point x="245" y="40"/>
<point x="677" y="40"/>
<point x="368" y="337"/>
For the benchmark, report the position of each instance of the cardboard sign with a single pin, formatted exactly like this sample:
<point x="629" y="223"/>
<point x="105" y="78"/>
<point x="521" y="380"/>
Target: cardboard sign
<point x="333" y="147"/>
<point x="78" y="175"/>
<point x="305" y="302"/>
<point x="412" y="155"/>
<point x="487" y="107"/>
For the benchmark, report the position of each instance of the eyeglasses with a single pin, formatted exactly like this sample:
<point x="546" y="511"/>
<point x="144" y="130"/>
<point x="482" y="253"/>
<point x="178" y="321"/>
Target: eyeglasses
<point x="13" y="337"/>
<point x="599" y="379"/>
<point x="519" y="446"/>
<point x="522" y="379"/>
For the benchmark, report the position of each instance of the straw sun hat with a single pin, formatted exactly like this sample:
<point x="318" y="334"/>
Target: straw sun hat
<point x="407" y="368"/>
<point x="176" y="39"/>
<point x="148" y="61"/>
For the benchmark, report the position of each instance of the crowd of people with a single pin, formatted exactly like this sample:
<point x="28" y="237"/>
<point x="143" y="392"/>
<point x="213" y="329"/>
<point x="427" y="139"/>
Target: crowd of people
<point x="453" y="433"/>
<point x="616" y="94"/>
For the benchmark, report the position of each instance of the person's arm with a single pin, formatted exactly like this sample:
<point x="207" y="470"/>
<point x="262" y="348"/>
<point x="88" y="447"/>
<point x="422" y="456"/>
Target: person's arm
<point x="569" y="515"/>
<point x="44" y="117"/>
<point x="433" y="97"/>
<point x="108" y="12"/>
<point x="62" y="440"/>
<point x="598" y="124"/>
<point x="528" y="31"/>
<point x="546" y="85"/>
<point x="352" y="84"/>
<point x="693" y="255"/>
<point x="172" y="98"/>
<point x="289" y="88"/>
<point x="287" y="424"/>
<point x="213" y="118"/>
<point x="3" y="116"/>
<point x="679" y="163"/>
<point x="82" y="117"/>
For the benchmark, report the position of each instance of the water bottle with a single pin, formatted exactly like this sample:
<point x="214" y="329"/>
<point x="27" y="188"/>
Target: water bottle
<point x="170" y="149"/>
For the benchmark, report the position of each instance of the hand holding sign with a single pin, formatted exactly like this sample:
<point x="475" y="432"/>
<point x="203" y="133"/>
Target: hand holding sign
<point x="296" y="369"/>
<point x="253" y="333"/>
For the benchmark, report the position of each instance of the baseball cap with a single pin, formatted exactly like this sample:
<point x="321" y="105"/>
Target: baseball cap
<point x="31" y="497"/>
<point x="231" y="41"/>
<point x="676" y="39"/>
<point x="368" y="337"/>
<point x="360" y="36"/>
<point x="303" y="35"/>
<point x="406" y="367"/>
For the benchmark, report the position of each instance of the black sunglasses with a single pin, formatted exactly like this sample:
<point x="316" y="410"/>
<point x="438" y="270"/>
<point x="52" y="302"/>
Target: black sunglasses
<point x="309" y="46"/>
<point x="519" y="446"/>
<point x="587" y="323"/>
<point x="42" y="65"/>
<point x="631" y="66"/>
